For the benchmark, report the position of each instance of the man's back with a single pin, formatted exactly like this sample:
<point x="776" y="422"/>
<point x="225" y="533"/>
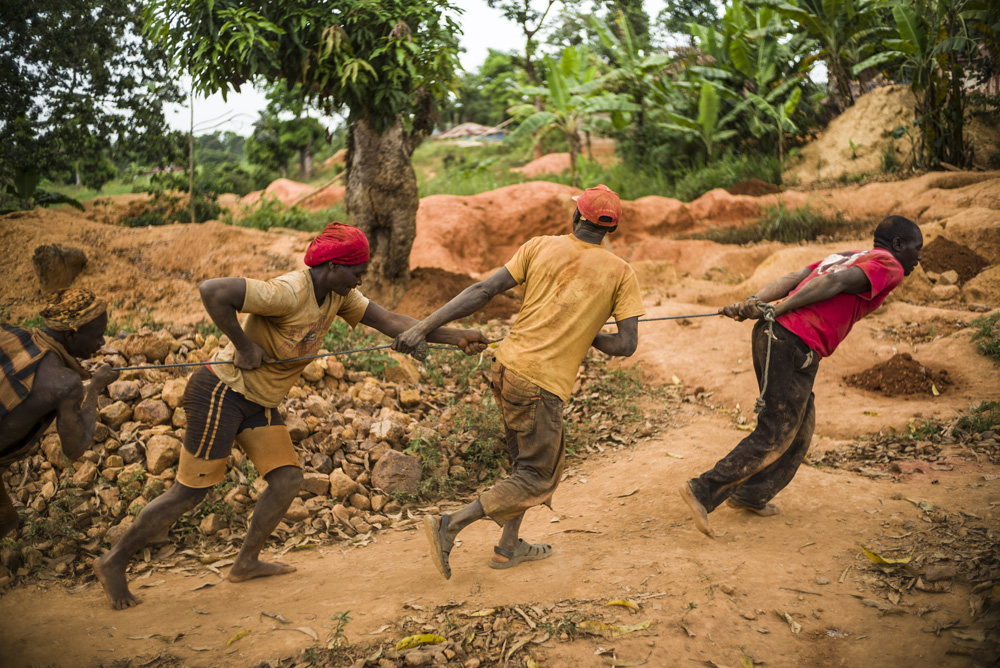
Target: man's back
<point x="571" y="288"/>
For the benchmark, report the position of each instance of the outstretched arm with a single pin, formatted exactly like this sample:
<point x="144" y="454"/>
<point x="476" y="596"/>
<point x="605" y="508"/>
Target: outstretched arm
<point x="467" y="302"/>
<point x="223" y="298"/>
<point x="471" y="341"/>
<point x="623" y="343"/>
<point x="776" y="289"/>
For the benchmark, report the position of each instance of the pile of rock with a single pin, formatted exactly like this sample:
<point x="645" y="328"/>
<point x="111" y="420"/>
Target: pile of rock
<point x="350" y="429"/>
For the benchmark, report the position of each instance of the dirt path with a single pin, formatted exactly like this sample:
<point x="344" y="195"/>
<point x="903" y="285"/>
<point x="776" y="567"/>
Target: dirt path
<point x="621" y="533"/>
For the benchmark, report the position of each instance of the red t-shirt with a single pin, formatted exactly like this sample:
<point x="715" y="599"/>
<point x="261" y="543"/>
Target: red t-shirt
<point x="824" y="325"/>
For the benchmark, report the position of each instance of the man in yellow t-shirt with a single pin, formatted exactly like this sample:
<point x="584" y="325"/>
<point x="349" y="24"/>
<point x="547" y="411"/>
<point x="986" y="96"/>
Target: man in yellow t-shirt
<point x="572" y="285"/>
<point x="288" y="317"/>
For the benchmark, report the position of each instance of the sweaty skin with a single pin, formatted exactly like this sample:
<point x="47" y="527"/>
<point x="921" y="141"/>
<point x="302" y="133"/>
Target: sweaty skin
<point x="58" y="389"/>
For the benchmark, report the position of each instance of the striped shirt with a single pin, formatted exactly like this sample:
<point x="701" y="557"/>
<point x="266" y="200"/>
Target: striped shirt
<point x="21" y="352"/>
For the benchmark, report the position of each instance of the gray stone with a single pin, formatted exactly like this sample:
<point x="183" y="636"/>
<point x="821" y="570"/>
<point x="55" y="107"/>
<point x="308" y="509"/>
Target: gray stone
<point x="397" y="472"/>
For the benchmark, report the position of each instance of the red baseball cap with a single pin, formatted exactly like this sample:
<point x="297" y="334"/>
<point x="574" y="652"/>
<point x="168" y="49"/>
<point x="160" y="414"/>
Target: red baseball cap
<point x="597" y="202"/>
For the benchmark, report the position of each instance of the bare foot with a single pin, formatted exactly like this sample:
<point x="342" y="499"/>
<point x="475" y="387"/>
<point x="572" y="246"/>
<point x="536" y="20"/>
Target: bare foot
<point x="258" y="569"/>
<point x="115" y="586"/>
<point x="768" y="510"/>
<point x="698" y="511"/>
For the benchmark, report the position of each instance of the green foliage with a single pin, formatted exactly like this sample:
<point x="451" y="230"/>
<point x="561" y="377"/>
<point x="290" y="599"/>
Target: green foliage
<point x="272" y="213"/>
<point x="574" y="101"/>
<point x="780" y="224"/>
<point x="81" y="87"/>
<point x="381" y="60"/>
<point x="341" y="337"/>
<point x="22" y="192"/>
<point x="984" y="416"/>
<point x="988" y="335"/>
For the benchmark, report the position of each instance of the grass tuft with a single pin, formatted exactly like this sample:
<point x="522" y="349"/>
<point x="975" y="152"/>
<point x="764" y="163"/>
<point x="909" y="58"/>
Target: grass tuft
<point x="781" y="224"/>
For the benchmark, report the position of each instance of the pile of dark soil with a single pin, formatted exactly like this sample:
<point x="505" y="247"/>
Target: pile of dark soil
<point x="754" y="188"/>
<point x="942" y="254"/>
<point x="900" y="375"/>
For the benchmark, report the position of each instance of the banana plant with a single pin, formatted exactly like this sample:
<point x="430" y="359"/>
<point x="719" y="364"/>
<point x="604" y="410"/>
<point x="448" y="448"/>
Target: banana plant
<point x="930" y="44"/>
<point x="779" y="111"/>
<point x="573" y="101"/>
<point x="23" y="190"/>
<point x="707" y="127"/>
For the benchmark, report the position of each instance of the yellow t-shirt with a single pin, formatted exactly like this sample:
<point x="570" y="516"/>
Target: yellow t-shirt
<point x="571" y="288"/>
<point x="285" y="320"/>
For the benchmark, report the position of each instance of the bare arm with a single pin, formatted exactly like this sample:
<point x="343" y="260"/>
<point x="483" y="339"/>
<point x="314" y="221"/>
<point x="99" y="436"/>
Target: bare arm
<point x="776" y="289"/>
<point x="76" y="413"/>
<point x="467" y="302"/>
<point x="622" y="343"/>
<point x="853" y="281"/>
<point x="392" y="324"/>
<point x="223" y="298"/>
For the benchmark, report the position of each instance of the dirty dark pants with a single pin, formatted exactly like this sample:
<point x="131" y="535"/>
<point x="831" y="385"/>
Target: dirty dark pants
<point x="766" y="461"/>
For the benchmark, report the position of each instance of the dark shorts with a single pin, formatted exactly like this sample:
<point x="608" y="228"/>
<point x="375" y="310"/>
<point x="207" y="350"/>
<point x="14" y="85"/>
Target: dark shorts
<point x="217" y="415"/>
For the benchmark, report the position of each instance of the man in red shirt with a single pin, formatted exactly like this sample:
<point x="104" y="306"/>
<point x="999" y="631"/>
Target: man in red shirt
<point x="823" y="302"/>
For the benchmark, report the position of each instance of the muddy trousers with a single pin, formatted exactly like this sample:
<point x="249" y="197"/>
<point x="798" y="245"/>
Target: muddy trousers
<point x="536" y="445"/>
<point x="766" y="461"/>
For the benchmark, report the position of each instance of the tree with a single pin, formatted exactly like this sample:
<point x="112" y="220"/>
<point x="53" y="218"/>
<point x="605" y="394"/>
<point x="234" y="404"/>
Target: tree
<point x="707" y="127"/>
<point x="634" y="70"/>
<point x="677" y="15"/>
<point x="485" y="96"/>
<point x="933" y="38"/>
<point x="839" y="26"/>
<point x="386" y="62"/>
<point x="572" y="101"/>
<point x="79" y="82"/>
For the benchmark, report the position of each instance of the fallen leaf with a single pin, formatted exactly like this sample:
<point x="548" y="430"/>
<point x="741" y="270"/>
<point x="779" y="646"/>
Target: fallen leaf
<point x="675" y="380"/>
<point x="759" y="629"/>
<point x="308" y="631"/>
<point x="203" y="585"/>
<point x="793" y="625"/>
<point x="634" y="607"/>
<point x="238" y="636"/>
<point x="675" y="455"/>
<point x="878" y="559"/>
<point x="629" y="493"/>
<point x="417" y="640"/>
<point x="746" y="661"/>
<point x="975" y="637"/>
<point x="618" y="663"/>
<point x="934" y="390"/>
<point x="483" y="613"/>
<point x="146" y="585"/>
<point x="200" y="612"/>
<point x="199" y="649"/>
<point x="871" y="413"/>
<point x="276" y="616"/>
<point x="381" y="629"/>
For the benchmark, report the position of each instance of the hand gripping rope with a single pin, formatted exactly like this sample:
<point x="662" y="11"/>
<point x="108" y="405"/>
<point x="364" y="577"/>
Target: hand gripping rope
<point x="420" y="353"/>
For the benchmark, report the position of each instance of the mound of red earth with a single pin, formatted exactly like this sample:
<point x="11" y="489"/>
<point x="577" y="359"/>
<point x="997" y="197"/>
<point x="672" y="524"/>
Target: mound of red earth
<point x="943" y="255"/>
<point x="900" y="375"/>
<point x="754" y="188"/>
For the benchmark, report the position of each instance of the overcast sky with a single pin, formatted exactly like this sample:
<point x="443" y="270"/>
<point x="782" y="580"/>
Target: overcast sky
<point x="483" y="28"/>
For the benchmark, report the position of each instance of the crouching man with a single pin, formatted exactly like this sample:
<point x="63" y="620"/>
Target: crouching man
<point x="288" y="317"/>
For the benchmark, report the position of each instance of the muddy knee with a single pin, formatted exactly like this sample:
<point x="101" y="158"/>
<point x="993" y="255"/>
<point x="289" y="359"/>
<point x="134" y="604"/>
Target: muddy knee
<point x="286" y="480"/>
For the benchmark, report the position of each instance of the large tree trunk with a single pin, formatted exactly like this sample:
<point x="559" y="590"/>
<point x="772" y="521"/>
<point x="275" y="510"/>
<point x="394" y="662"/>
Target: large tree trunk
<point x="382" y="200"/>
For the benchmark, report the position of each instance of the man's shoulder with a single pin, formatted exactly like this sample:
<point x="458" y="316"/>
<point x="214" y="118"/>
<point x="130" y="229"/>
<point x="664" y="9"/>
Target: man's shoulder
<point x="54" y="378"/>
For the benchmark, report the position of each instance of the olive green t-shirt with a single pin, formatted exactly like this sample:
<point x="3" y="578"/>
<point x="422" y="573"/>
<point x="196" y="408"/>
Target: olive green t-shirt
<point x="571" y="288"/>
<point x="285" y="320"/>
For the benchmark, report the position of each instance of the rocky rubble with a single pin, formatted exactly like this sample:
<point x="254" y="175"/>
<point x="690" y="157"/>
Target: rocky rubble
<point x="351" y="429"/>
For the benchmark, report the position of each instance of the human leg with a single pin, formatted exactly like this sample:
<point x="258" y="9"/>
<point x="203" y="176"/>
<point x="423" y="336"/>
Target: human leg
<point x="158" y="516"/>
<point x="270" y="449"/>
<point x="8" y="515"/>
<point x="756" y="493"/>
<point x="789" y="388"/>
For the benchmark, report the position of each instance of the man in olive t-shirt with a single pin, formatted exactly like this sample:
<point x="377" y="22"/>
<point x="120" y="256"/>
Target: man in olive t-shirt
<point x="288" y="317"/>
<point x="572" y="285"/>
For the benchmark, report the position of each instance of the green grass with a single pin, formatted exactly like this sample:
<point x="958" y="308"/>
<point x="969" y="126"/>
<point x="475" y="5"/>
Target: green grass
<point x="983" y="417"/>
<point x="781" y="224"/>
<point x="985" y="334"/>
<point x="341" y="337"/>
<point x="272" y="213"/>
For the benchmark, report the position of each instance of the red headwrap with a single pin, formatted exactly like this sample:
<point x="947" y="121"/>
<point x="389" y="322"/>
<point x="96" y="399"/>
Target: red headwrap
<point x="340" y="244"/>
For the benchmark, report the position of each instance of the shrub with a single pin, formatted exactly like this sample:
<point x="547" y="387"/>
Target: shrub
<point x="986" y="334"/>
<point x="780" y="224"/>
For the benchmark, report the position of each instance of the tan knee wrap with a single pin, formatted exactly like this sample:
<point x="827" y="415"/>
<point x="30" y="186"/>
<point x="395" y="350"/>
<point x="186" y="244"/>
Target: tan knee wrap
<point x="200" y="473"/>
<point x="268" y="448"/>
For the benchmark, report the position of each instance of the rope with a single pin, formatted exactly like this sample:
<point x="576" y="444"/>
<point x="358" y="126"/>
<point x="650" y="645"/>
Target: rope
<point x="420" y="353"/>
<point x="768" y="311"/>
